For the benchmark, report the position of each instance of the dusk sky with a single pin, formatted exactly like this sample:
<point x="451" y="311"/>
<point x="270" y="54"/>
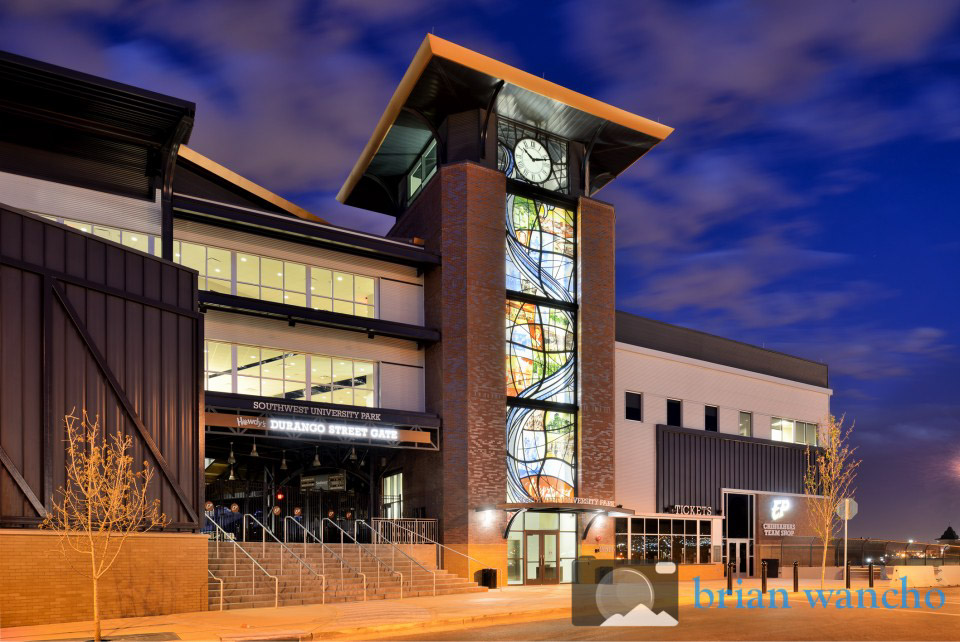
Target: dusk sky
<point x="807" y="201"/>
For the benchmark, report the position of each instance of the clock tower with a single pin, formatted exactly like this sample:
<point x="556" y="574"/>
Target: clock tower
<point x="496" y="170"/>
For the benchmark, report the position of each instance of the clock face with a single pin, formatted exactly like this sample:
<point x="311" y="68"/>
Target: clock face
<point x="533" y="161"/>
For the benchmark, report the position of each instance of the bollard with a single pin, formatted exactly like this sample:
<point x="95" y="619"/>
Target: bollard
<point x="847" y="569"/>
<point x="730" y="578"/>
<point x="870" y="568"/>
<point x="796" y="576"/>
<point x="763" y="576"/>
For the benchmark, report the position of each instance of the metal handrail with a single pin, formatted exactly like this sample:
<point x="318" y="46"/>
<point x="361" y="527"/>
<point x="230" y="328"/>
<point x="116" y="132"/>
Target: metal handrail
<point x="343" y="562"/>
<point x="504" y="581"/>
<point x="236" y="545"/>
<point x="395" y="548"/>
<point x="364" y="549"/>
<point x="221" y="586"/>
<point x="303" y="563"/>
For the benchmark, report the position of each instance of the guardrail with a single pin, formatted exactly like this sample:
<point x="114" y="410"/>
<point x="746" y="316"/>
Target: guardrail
<point x="302" y="563"/>
<point x="221" y="586"/>
<point x="420" y="539"/>
<point x="253" y="575"/>
<point x="414" y="528"/>
<point x="394" y="548"/>
<point x="343" y="562"/>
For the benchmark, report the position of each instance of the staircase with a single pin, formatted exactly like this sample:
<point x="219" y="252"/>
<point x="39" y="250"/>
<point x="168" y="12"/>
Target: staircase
<point x="249" y="587"/>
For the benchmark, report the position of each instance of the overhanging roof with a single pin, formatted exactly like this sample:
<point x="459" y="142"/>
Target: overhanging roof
<point x="565" y="507"/>
<point x="445" y="78"/>
<point x="245" y="185"/>
<point x="62" y="125"/>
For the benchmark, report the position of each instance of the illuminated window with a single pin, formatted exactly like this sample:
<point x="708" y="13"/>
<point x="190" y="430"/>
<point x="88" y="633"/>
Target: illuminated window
<point x="269" y="279"/>
<point x="797" y="432"/>
<point x="146" y="243"/>
<point x="746" y="424"/>
<point x="269" y="372"/>
<point x="392" y="496"/>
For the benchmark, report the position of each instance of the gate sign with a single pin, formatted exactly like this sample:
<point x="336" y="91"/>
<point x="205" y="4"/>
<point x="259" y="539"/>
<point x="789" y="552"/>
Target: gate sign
<point x="337" y="481"/>
<point x="847" y="508"/>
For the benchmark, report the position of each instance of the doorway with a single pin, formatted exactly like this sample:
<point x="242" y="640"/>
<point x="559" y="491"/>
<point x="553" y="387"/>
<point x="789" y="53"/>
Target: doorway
<point x="738" y="553"/>
<point x="541" y="557"/>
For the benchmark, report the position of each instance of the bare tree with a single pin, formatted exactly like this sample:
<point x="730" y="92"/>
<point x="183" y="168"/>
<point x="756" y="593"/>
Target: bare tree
<point x="102" y="502"/>
<point x="830" y="473"/>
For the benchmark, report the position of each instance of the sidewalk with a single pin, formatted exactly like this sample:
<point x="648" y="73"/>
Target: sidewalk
<point x="356" y="620"/>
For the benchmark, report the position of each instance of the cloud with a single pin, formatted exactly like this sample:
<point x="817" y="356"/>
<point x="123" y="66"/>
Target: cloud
<point x="640" y="615"/>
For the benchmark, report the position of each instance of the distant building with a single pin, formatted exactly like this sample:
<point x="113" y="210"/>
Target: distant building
<point x="949" y="537"/>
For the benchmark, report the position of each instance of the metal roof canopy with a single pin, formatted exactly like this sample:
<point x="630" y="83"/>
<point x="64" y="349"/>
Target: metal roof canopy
<point x="64" y="125"/>
<point x="445" y="78"/>
<point x="563" y="507"/>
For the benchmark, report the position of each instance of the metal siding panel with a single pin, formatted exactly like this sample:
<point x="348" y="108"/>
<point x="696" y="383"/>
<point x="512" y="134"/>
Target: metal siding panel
<point x="77" y="203"/>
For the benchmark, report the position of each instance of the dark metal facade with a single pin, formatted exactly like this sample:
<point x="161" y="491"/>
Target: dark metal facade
<point x="693" y="466"/>
<point x="86" y="323"/>
<point x="656" y="335"/>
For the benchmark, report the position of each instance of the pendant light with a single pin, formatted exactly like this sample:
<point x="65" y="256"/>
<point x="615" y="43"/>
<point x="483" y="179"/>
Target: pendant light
<point x="353" y="454"/>
<point x="283" y="461"/>
<point x="254" y="453"/>
<point x="232" y="476"/>
<point x="316" y="458"/>
<point x="231" y="459"/>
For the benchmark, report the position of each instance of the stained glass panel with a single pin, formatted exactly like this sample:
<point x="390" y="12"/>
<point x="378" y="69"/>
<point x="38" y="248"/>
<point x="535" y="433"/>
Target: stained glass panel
<point x="540" y="460"/>
<point x="540" y="250"/>
<point x="540" y="352"/>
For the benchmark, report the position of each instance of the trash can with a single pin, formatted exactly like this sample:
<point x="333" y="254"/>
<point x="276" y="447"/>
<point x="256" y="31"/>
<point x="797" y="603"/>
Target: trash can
<point x="488" y="577"/>
<point x="773" y="566"/>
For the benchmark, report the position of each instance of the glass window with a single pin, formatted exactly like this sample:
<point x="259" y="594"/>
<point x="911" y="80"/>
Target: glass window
<point x="637" y="547"/>
<point x="651" y="527"/>
<point x="392" y="496"/>
<point x="568" y="522"/>
<point x="776" y="434"/>
<point x="422" y="170"/>
<point x="541" y="521"/>
<point x="786" y="426"/>
<point x="269" y="372"/>
<point x="515" y="557"/>
<point x="746" y="424"/>
<point x="674" y="413"/>
<point x="620" y="525"/>
<point x="650" y="543"/>
<point x="812" y="434"/>
<point x="705" y="526"/>
<point x="636" y="524"/>
<point x="634" y="406"/>
<point x="704" y="550"/>
<point x="710" y="418"/>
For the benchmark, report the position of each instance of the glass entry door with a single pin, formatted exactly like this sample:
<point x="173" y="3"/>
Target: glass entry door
<point x="541" y="557"/>
<point x="737" y="552"/>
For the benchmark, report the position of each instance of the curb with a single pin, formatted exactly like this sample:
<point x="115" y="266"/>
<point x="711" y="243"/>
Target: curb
<point x="435" y="625"/>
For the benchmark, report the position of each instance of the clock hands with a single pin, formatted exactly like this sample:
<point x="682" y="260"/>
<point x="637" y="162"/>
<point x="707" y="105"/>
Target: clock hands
<point x="532" y="158"/>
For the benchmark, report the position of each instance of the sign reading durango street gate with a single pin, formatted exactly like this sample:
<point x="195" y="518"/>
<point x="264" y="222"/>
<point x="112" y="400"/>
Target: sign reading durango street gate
<point x="339" y="431"/>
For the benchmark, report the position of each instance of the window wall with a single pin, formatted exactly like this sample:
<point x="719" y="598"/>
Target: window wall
<point x="253" y="275"/>
<point x="271" y="372"/>
<point x="746" y="424"/>
<point x="261" y="277"/>
<point x="797" y="432"/>
<point x="682" y="541"/>
<point x="147" y="243"/>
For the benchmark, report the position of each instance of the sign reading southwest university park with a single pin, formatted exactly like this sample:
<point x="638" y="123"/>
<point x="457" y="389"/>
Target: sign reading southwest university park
<point x="340" y="424"/>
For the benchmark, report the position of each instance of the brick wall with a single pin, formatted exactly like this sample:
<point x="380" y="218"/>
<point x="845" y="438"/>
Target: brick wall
<point x="597" y="298"/>
<point x="156" y="574"/>
<point x="460" y="215"/>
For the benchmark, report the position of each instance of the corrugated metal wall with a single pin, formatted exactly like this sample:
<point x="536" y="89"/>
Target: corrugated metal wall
<point x="693" y="466"/>
<point x="85" y="323"/>
<point x="80" y="204"/>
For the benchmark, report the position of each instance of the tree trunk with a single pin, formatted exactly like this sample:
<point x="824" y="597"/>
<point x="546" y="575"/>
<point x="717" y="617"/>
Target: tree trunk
<point x="96" y="611"/>
<point x="823" y="563"/>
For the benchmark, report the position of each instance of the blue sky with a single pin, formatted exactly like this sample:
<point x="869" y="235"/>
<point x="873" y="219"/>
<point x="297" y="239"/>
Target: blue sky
<point x="807" y="202"/>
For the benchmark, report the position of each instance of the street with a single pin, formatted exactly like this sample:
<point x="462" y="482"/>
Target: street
<point x="799" y="622"/>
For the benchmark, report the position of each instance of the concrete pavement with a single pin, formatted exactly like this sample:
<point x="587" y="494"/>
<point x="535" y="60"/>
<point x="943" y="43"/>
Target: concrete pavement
<point x="362" y="619"/>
